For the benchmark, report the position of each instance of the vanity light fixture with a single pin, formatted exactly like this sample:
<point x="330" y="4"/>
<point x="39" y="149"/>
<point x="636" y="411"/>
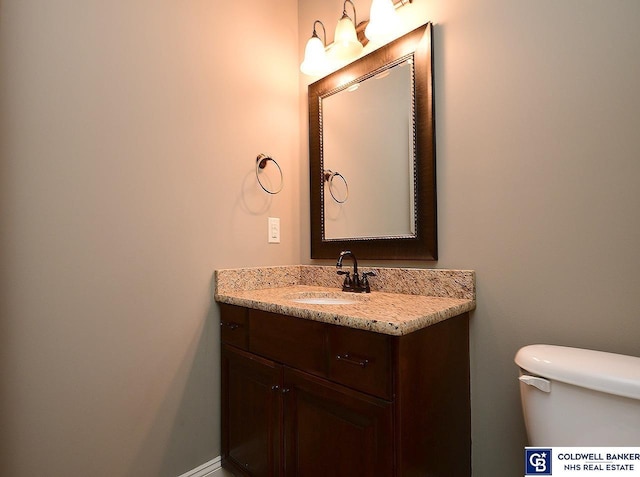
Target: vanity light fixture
<point x="345" y="42"/>
<point x="315" y="61"/>
<point x="383" y="26"/>
<point x="384" y="21"/>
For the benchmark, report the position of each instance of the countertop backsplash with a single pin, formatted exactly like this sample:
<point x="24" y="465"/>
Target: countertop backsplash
<point x="409" y="281"/>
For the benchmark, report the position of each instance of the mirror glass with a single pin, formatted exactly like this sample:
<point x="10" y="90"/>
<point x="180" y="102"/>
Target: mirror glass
<point x="372" y="154"/>
<point x="351" y="117"/>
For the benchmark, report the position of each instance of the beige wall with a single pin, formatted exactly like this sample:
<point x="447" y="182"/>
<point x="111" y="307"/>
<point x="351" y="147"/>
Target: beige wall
<point x="128" y="137"/>
<point x="537" y="142"/>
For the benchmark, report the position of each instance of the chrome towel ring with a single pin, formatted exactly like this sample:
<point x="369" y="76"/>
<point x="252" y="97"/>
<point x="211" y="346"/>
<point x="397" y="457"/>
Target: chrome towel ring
<point x="261" y="162"/>
<point x="329" y="177"/>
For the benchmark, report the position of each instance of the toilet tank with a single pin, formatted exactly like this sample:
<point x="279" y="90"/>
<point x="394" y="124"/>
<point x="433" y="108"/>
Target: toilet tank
<point x="578" y="397"/>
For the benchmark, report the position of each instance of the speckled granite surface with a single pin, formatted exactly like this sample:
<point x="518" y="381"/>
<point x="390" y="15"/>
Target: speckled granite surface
<point x="402" y="300"/>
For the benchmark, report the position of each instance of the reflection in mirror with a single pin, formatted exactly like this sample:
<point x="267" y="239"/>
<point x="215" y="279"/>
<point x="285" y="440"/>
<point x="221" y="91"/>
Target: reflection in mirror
<point x="338" y="186"/>
<point x="351" y="117"/>
<point x="372" y="154"/>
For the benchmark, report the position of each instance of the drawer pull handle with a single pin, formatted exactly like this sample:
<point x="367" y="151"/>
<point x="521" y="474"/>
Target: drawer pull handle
<point x="231" y="325"/>
<point x="352" y="360"/>
<point x="275" y="387"/>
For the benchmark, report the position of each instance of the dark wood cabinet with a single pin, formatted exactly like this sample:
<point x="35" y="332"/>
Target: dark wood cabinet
<point x="332" y="430"/>
<point x="251" y="422"/>
<point x="308" y="399"/>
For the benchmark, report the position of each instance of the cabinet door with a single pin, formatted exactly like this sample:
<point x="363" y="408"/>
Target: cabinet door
<point x="251" y="413"/>
<point x="331" y="430"/>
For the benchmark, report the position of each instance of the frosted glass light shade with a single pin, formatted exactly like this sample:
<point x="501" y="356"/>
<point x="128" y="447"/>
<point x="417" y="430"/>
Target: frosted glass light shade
<point x="315" y="61"/>
<point x="345" y="42"/>
<point x="384" y="23"/>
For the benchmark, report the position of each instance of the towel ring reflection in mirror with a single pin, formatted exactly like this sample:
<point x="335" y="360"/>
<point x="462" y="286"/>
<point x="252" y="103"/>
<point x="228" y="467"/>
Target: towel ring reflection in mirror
<point x="329" y="176"/>
<point x="261" y="162"/>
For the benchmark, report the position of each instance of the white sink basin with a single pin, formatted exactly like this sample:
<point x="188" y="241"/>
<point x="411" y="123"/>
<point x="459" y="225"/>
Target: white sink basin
<point x="324" y="298"/>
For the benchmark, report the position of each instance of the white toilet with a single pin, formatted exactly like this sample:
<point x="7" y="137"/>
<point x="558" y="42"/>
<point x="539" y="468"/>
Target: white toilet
<point x="578" y="397"/>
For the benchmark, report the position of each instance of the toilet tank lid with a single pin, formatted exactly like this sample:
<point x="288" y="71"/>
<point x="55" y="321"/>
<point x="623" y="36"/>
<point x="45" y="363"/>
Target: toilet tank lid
<point x="607" y="372"/>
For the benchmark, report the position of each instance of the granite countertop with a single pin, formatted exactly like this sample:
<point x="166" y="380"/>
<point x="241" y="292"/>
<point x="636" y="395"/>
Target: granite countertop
<point x="401" y="300"/>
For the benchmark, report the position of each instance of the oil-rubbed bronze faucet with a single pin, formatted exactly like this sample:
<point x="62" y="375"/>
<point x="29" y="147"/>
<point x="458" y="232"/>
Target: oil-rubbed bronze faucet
<point x="355" y="284"/>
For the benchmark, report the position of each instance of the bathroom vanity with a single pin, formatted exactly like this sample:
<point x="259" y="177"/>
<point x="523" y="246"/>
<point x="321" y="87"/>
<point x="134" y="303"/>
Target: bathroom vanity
<point x="314" y="386"/>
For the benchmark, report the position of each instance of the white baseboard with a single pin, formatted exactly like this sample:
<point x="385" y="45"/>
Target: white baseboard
<point x="208" y="469"/>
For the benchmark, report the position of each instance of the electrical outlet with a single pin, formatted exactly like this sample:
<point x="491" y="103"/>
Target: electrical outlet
<point x="274" y="230"/>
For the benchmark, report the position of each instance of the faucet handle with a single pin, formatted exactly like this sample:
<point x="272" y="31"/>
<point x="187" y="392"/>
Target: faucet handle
<point x="365" y="281"/>
<point x="347" y="284"/>
<point x="367" y="274"/>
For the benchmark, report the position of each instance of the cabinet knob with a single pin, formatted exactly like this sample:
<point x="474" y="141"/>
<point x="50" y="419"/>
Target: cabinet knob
<point x="275" y="387"/>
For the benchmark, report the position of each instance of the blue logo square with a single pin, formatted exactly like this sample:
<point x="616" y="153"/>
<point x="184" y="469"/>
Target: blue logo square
<point x="537" y="461"/>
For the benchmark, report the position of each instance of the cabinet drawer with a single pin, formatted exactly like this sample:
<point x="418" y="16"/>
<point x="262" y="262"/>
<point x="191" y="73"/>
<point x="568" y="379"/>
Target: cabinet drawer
<point x="361" y="360"/>
<point x="292" y="341"/>
<point x="233" y="326"/>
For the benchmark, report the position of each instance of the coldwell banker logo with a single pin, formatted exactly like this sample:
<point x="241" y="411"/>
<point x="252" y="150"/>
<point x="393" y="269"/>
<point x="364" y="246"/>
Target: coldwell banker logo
<point x="537" y="461"/>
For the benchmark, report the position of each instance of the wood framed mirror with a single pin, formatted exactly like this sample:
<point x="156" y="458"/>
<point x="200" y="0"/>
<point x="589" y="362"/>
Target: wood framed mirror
<point x="372" y="154"/>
